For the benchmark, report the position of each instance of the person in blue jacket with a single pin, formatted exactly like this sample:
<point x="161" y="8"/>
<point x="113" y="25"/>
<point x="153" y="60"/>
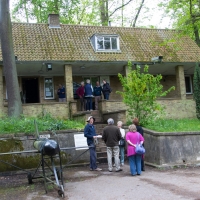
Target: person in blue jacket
<point x="90" y="134"/>
<point x="88" y="95"/>
<point x="61" y="93"/>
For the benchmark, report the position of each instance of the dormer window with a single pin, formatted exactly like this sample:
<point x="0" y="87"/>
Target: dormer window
<point x="105" y="43"/>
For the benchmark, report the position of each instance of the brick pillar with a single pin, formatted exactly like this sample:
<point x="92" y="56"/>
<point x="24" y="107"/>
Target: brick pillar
<point x="69" y="83"/>
<point x="125" y="70"/>
<point x="1" y="90"/>
<point x="180" y="82"/>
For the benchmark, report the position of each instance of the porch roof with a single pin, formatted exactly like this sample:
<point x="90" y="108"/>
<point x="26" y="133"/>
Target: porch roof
<point x="70" y="43"/>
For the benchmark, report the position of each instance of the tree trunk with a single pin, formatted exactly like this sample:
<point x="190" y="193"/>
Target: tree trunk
<point x="10" y="71"/>
<point x="138" y="12"/>
<point x="195" y="28"/>
<point x="104" y="12"/>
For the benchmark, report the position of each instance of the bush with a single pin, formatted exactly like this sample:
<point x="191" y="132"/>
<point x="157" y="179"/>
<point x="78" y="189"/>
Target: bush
<point x="45" y="123"/>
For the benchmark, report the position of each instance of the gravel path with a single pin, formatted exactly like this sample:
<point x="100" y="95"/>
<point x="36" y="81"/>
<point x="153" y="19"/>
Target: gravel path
<point x="80" y="183"/>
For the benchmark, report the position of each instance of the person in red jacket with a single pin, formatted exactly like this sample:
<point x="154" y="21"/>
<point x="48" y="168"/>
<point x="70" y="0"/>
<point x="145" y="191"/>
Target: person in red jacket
<point x="80" y="92"/>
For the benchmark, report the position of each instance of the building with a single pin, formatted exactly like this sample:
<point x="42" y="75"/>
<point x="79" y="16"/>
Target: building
<point x="49" y="54"/>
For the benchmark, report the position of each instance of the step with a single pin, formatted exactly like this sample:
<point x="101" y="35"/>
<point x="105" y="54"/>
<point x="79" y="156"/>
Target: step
<point x="102" y="159"/>
<point x="95" y="112"/>
<point x="102" y="154"/>
<point x="98" y="119"/>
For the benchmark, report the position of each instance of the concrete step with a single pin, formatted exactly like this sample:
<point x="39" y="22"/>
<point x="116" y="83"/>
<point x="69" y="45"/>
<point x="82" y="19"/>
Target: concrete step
<point x="102" y="154"/>
<point x="97" y="119"/>
<point x="95" y="112"/>
<point x="102" y="125"/>
<point x="102" y="160"/>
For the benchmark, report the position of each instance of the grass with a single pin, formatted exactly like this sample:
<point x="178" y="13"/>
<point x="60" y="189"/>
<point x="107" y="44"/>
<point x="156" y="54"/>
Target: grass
<point x="45" y="123"/>
<point x="174" y="125"/>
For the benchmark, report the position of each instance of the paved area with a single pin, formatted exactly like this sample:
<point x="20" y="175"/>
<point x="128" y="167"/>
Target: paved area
<point x="80" y="183"/>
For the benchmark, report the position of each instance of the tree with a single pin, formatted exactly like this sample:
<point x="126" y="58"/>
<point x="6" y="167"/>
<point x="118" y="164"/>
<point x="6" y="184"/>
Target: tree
<point x="138" y="13"/>
<point x="10" y="72"/>
<point x="196" y="83"/>
<point x="106" y="12"/>
<point x="186" y="14"/>
<point x="86" y="12"/>
<point x="140" y="92"/>
<point x="40" y="9"/>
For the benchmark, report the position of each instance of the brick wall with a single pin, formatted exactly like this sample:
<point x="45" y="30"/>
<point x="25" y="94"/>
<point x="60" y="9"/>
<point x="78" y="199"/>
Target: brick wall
<point x="58" y="110"/>
<point x="174" y="108"/>
<point x="116" y="86"/>
<point x="56" y="80"/>
<point x="167" y="82"/>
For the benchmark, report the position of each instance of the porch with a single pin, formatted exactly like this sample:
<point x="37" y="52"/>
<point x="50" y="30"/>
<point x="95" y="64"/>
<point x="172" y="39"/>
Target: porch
<point x="43" y="87"/>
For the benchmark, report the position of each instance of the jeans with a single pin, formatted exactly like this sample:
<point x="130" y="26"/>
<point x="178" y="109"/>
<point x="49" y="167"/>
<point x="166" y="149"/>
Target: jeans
<point x="121" y="150"/>
<point x="106" y="96"/>
<point x="113" y="150"/>
<point x="88" y="103"/>
<point x="93" y="156"/>
<point x="135" y="164"/>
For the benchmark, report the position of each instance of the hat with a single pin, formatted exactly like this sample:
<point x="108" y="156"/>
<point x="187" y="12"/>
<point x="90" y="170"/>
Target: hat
<point x="90" y="118"/>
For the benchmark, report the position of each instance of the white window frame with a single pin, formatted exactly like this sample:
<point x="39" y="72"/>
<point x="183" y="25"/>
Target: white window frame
<point x="45" y="97"/>
<point x="107" y="50"/>
<point x="190" y="80"/>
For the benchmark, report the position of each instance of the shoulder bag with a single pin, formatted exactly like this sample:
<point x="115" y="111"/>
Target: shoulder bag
<point x="122" y="142"/>
<point x="139" y="149"/>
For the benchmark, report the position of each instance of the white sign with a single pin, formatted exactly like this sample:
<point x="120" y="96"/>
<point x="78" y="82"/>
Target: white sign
<point x="80" y="141"/>
<point x="45" y="136"/>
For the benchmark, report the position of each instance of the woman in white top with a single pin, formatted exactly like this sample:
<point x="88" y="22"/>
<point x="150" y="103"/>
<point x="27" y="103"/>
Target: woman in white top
<point x="121" y="148"/>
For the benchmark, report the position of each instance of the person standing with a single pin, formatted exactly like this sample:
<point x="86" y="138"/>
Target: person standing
<point x="61" y="93"/>
<point x="106" y="90"/>
<point x="133" y="138"/>
<point x="90" y="134"/>
<point x="80" y="92"/>
<point x="88" y="95"/>
<point x="97" y="94"/>
<point x="141" y="131"/>
<point x="111" y="136"/>
<point x="121" y="148"/>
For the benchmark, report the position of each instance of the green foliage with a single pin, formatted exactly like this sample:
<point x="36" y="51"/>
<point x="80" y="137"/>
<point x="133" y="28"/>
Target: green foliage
<point x="45" y="123"/>
<point x="140" y="92"/>
<point x="196" y="83"/>
<point x="185" y="16"/>
<point x="174" y="125"/>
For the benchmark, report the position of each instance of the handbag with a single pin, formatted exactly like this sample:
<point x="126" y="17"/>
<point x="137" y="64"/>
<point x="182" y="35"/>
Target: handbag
<point x="122" y="142"/>
<point x="139" y="149"/>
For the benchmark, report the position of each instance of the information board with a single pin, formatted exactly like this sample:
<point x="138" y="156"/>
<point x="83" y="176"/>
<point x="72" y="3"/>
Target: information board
<point x="80" y="141"/>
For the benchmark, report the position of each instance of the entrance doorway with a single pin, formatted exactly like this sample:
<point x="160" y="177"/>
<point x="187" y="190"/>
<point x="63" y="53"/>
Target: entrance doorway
<point x="30" y="89"/>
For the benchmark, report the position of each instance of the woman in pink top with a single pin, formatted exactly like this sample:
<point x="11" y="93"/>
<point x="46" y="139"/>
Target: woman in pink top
<point x="132" y="138"/>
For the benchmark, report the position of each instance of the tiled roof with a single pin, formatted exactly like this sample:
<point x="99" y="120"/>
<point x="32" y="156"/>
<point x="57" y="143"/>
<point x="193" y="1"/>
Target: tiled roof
<point x="36" y="42"/>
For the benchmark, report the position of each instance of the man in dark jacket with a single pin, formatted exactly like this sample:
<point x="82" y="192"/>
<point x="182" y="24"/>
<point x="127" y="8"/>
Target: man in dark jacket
<point x="97" y="94"/>
<point x="61" y="93"/>
<point x="106" y="90"/>
<point x="90" y="134"/>
<point x="111" y="136"/>
<point x="80" y="92"/>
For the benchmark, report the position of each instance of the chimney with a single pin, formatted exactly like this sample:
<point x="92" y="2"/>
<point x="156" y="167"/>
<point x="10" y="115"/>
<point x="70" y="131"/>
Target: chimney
<point x="53" y="21"/>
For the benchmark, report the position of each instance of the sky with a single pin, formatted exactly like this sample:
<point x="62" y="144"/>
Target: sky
<point x="155" y="17"/>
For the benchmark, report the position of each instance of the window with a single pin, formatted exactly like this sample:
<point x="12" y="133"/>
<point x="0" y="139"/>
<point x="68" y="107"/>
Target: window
<point x="48" y="88"/>
<point x="106" y="43"/>
<point x="188" y="84"/>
